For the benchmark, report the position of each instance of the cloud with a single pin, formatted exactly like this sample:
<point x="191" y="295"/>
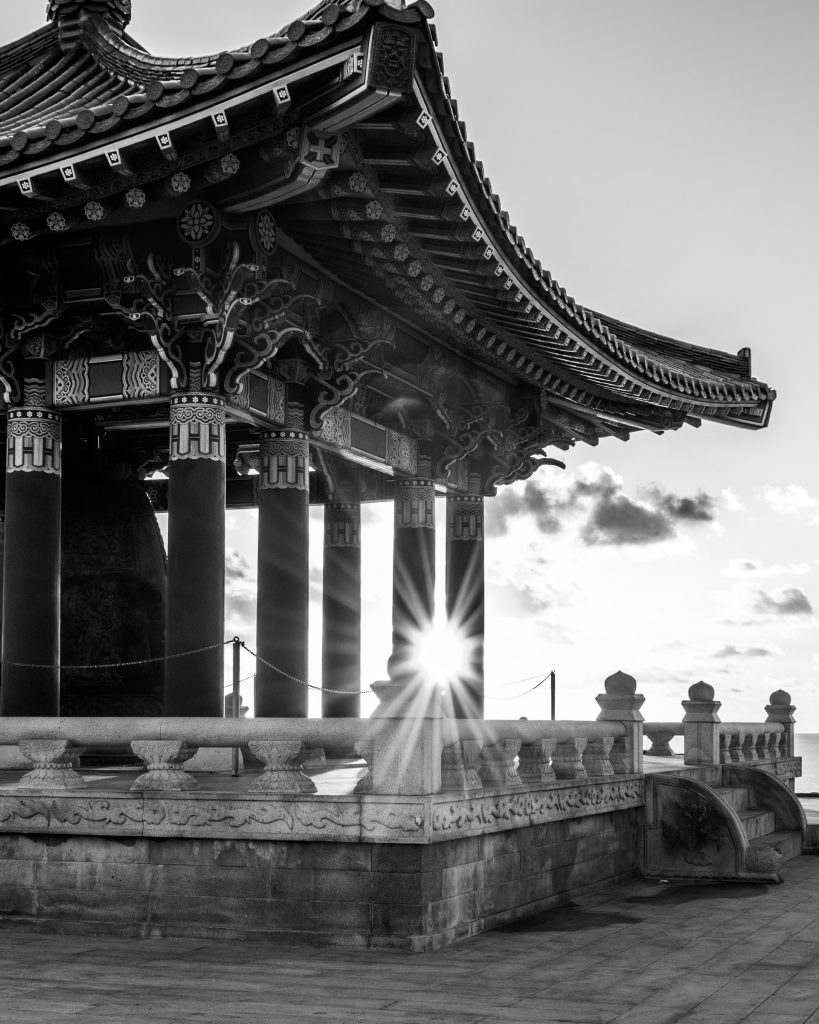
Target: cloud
<point x="240" y="591"/>
<point x="620" y="520"/>
<point x="700" y="508"/>
<point x="783" y="601"/>
<point x="592" y="501"/>
<point x="748" y="568"/>
<point x="746" y="605"/>
<point x="731" y="501"/>
<point x="793" y="500"/>
<point x="729" y="651"/>
<point x="534" y="500"/>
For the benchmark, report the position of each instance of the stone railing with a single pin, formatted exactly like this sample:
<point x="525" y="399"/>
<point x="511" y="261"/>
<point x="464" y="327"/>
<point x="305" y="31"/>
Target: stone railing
<point x="478" y="753"/>
<point x="710" y="741"/>
<point x="752" y="741"/>
<point x="407" y="755"/>
<point x="421" y="755"/>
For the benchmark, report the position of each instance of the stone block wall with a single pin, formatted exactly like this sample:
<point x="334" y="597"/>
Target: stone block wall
<point x="414" y="896"/>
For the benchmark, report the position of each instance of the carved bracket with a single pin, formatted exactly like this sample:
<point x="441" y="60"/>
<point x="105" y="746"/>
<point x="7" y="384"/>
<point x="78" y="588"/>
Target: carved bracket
<point x="346" y="368"/>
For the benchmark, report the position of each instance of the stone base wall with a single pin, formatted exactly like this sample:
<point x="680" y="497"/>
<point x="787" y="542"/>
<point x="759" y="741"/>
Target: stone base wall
<point x="331" y="893"/>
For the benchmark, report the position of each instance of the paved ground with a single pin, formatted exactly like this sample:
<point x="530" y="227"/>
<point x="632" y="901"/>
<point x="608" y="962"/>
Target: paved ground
<point x="642" y="954"/>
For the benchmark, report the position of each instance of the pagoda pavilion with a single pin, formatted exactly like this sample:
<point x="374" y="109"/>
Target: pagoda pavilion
<point x="271" y="277"/>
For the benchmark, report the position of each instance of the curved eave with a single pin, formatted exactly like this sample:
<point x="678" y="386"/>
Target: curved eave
<point x="532" y="308"/>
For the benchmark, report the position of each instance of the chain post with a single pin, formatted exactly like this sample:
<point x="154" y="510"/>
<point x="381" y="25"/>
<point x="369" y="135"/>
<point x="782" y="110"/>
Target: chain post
<point x="237" y="650"/>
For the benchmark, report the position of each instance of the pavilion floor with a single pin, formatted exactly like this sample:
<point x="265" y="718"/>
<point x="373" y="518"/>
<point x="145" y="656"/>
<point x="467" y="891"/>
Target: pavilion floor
<point x="639" y="954"/>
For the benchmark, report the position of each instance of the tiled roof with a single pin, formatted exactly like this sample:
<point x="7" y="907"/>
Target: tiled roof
<point x="108" y="80"/>
<point x="81" y="80"/>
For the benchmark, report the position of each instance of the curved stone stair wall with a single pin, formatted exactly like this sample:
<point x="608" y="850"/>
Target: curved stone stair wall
<point x="724" y="823"/>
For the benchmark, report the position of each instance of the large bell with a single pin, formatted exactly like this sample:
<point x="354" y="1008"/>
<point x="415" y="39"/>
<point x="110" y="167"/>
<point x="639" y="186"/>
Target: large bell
<point x="113" y="600"/>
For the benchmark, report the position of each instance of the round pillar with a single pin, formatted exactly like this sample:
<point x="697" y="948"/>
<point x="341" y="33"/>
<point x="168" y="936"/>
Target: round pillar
<point x="409" y="691"/>
<point x="341" y="611"/>
<point x="196" y="556"/>
<point x="31" y="564"/>
<point x="283" y="584"/>
<point x="465" y="599"/>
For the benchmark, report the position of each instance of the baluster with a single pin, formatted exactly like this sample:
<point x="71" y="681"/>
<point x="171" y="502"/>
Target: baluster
<point x="282" y="768"/>
<point x="497" y="763"/>
<point x="735" y="749"/>
<point x="459" y="770"/>
<point x="621" y="759"/>
<point x="749" y="752"/>
<point x="54" y="764"/>
<point x="567" y="759"/>
<point x="364" y="749"/>
<point x="773" y="745"/>
<point x="163" y="760"/>
<point x="762" y="742"/>
<point x="534" y="764"/>
<point x="660" y="742"/>
<point x="596" y="756"/>
<point x="724" y="748"/>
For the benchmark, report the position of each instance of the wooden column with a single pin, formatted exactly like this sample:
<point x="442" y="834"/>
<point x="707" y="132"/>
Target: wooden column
<point x="465" y="599"/>
<point x="196" y="556"/>
<point x="408" y="691"/>
<point x="341" y="611"/>
<point x="31" y="563"/>
<point x="284" y="586"/>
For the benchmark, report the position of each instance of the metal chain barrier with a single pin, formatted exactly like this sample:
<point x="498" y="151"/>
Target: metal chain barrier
<point x="302" y="682"/>
<point x="120" y="664"/>
<point x="516" y="696"/>
<point x="253" y="654"/>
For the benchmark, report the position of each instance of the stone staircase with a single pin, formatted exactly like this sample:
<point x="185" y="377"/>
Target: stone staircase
<point x="721" y="823"/>
<point x="760" y="824"/>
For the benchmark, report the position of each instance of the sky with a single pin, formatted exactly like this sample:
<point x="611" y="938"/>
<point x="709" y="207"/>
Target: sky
<point x="660" y="159"/>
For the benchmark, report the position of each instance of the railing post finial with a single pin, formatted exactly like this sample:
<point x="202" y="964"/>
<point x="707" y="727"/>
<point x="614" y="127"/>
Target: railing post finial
<point x="701" y="725"/>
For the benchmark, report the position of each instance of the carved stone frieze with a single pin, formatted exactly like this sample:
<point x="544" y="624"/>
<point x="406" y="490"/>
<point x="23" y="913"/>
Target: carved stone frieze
<point x="784" y="768"/>
<point x="490" y="813"/>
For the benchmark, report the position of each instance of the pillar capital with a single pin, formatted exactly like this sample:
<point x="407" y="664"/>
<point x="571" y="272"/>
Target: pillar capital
<point x="414" y="503"/>
<point x="33" y="441"/>
<point x="342" y="524"/>
<point x="284" y="457"/>
<point x="464" y="517"/>
<point x="197" y="427"/>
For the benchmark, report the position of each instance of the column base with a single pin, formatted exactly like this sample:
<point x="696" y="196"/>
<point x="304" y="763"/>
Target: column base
<point x="410" y="699"/>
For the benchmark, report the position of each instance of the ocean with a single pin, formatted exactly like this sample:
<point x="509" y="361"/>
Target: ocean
<point x="807" y="747"/>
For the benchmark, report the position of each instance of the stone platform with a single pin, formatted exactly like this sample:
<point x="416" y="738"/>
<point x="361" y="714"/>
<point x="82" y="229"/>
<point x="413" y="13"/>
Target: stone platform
<point x="332" y="867"/>
<point x="637" y="954"/>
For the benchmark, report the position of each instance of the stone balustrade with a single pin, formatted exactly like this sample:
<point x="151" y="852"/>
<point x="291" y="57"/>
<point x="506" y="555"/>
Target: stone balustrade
<point x="426" y="755"/>
<point x="749" y="742"/>
<point x="410" y="755"/>
<point x="710" y="741"/>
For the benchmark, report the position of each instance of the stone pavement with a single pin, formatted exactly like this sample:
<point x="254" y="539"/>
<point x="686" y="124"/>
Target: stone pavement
<point x="644" y="953"/>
